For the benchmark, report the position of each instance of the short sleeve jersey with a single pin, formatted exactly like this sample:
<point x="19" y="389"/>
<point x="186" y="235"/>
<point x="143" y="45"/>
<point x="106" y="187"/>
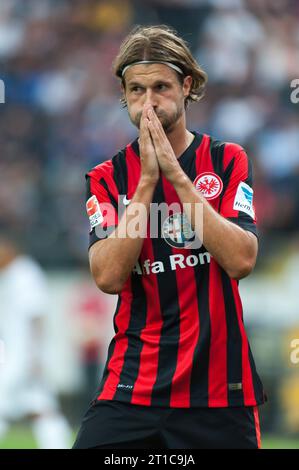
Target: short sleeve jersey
<point x="180" y="339"/>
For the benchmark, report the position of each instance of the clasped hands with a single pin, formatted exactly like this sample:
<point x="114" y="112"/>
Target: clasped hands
<point x="156" y="152"/>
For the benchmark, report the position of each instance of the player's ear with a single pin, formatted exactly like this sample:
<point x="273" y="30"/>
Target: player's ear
<point x="187" y="84"/>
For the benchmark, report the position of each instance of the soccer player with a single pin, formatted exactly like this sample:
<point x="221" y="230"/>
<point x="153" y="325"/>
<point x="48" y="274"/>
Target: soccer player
<point x="24" y="391"/>
<point x="179" y="371"/>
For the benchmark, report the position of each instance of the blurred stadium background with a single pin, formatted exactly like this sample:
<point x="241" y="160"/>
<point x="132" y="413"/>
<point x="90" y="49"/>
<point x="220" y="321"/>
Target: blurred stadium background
<point x="62" y="116"/>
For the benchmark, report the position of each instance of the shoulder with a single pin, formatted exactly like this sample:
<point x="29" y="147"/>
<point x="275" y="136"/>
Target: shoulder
<point x="225" y="154"/>
<point x="106" y="168"/>
<point x="103" y="169"/>
<point x="229" y="148"/>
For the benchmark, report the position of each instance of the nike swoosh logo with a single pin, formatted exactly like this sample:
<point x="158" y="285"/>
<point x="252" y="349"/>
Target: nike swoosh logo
<point x="126" y="201"/>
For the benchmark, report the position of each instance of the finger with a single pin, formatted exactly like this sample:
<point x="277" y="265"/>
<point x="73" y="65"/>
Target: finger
<point x="157" y="141"/>
<point x="153" y="118"/>
<point x="144" y="114"/>
<point x="145" y="110"/>
<point x="143" y="125"/>
<point x="157" y="132"/>
<point x="144" y="131"/>
<point x="145" y="140"/>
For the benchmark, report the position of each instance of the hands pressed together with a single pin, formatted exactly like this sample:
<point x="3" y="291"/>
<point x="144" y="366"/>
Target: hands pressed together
<point x="156" y="153"/>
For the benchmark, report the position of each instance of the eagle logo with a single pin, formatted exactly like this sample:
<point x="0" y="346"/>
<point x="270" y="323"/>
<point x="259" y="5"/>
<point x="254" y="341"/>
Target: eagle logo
<point x="209" y="185"/>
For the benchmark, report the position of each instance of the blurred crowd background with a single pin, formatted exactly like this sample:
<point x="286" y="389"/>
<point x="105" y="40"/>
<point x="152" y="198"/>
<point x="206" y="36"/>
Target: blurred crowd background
<point x="62" y="116"/>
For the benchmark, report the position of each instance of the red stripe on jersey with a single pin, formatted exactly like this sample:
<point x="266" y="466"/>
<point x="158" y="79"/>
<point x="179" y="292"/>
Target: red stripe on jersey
<point x="189" y="333"/>
<point x="105" y="171"/>
<point x="150" y="335"/>
<point x="218" y="352"/>
<point x="203" y="162"/>
<point x="189" y="321"/>
<point x="257" y="426"/>
<point x="218" y="344"/>
<point x="116" y="362"/>
<point x="248" y="389"/>
<point x="230" y="150"/>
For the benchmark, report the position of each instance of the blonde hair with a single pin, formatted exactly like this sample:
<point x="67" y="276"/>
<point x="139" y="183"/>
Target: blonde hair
<point x="161" y="43"/>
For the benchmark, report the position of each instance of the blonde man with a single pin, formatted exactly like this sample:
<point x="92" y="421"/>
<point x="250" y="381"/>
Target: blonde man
<point x="179" y="372"/>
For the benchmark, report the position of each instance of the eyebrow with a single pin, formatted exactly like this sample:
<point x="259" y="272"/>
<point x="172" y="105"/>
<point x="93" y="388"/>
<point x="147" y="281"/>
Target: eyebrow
<point x="157" y="82"/>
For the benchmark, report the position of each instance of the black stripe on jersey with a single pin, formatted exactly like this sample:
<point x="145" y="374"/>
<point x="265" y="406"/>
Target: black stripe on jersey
<point x="170" y="311"/>
<point x="120" y="173"/>
<point x="217" y="150"/>
<point x="234" y="343"/>
<point x="250" y="172"/>
<point x="199" y="387"/>
<point x="111" y="197"/>
<point x="110" y="350"/>
<point x="226" y="179"/>
<point x="137" y="322"/>
<point x="135" y="147"/>
<point x="188" y="159"/>
<point x="257" y="384"/>
<point x="88" y="191"/>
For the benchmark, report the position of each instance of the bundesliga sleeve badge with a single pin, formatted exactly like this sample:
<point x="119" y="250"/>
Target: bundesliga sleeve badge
<point x="94" y="212"/>
<point x="209" y="185"/>
<point x="244" y="199"/>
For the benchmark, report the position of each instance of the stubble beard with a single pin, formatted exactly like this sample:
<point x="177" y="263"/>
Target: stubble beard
<point x="167" y="121"/>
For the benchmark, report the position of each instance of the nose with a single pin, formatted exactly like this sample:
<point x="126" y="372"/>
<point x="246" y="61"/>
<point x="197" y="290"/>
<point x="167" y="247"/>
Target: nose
<point x="150" y="98"/>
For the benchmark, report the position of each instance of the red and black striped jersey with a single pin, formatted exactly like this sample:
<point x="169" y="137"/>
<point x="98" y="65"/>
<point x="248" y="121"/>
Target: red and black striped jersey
<point x="179" y="336"/>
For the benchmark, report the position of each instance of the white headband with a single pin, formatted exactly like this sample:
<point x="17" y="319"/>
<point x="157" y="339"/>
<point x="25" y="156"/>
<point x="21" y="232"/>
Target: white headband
<point x="174" y="67"/>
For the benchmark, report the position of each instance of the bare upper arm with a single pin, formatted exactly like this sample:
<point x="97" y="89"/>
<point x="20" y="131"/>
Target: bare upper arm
<point x="254" y="240"/>
<point x="93" y="253"/>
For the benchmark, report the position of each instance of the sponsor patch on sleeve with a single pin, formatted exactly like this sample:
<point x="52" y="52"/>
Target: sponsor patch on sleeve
<point x="244" y="199"/>
<point x="94" y="212"/>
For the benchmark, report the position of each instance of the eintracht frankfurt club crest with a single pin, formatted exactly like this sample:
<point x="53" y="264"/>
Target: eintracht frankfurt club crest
<point x="209" y="185"/>
<point x="177" y="231"/>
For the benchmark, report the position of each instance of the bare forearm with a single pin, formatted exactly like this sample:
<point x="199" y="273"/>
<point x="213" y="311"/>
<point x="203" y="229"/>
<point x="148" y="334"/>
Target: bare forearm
<point x="113" y="259"/>
<point x="230" y="245"/>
